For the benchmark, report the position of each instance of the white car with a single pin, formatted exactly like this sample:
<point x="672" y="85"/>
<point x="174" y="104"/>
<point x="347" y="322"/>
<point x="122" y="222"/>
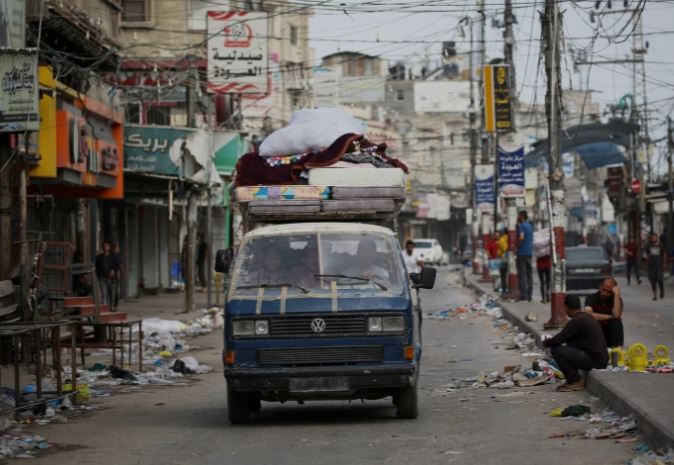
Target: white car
<point x="430" y="250"/>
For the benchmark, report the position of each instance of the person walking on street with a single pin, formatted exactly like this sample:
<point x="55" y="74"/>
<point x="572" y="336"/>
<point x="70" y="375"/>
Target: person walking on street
<point x="413" y="262"/>
<point x="543" y="265"/>
<point x="525" y="249"/>
<point x="106" y="271"/>
<point x="202" y="251"/>
<point x="503" y="247"/>
<point x="606" y="306"/>
<point x="656" y="258"/>
<point x="632" y="261"/>
<point x="579" y="346"/>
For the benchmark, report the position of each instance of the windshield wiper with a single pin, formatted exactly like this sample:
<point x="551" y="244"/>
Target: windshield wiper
<point x="359" y="278"/>
<point x="272" y="286"/>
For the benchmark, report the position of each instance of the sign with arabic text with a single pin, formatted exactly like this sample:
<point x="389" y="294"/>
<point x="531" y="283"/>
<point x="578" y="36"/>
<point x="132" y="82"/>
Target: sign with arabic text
<point x="19" y="110"/>
<point x="498" y="112"/>
<point x="484" y="187"/>
<point x="155" y="149"/>
<point x="237" y="52"/>
<point x="511" y="173"/>
<point x="13" y="24"/>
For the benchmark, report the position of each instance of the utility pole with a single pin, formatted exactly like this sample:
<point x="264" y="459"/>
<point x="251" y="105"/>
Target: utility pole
<point x="473" y="146"/>
<point x="551" y="28"/>
<point x="511" y="207"/>
<point x="483" y="217"/>
<point x="509" y="50"/>
<point x="191" y="206"/>
<point x="670" y="181"/>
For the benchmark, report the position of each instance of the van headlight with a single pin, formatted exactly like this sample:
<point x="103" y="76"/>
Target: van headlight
<point x="250" y="328"/>
<point x="385" y="324"/>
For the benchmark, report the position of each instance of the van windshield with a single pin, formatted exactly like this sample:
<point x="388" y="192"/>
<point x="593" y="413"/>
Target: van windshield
<point x="316" y="263"/>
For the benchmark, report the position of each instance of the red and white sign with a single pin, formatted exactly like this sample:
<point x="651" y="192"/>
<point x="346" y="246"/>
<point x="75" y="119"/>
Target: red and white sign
<point x="237" y="52"/>
<point x="635" y="186"/>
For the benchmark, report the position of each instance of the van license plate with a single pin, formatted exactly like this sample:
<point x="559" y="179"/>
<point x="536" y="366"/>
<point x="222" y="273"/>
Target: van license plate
<point x="331" y="384"/>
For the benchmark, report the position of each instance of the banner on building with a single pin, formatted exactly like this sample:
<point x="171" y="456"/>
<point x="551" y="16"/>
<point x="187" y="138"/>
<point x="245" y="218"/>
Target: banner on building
<point x="511" y="181"/>
<point x="228" y="147"/>
<point x="498" y="112"/>
<point x="19" y="108"/>
<point x="237" y="52"/>
<point x="13" y="24"/>
<point x="484" y="187"/>
<point x="165" y="150"/>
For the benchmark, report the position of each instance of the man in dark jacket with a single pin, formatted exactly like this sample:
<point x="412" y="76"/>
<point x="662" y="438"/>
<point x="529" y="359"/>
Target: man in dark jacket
<point x="106" y="270"/>
<point x="579" y="346"/>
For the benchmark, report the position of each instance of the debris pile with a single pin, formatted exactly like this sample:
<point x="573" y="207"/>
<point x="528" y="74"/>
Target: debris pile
<point x="603" y="425"/>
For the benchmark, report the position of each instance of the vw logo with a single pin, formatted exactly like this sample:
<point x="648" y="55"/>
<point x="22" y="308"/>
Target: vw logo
<point x="318" y="325"/>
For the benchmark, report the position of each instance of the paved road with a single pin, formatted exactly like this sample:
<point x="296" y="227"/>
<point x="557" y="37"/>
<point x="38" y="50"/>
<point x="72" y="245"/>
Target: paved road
<point x="187" y="426"/>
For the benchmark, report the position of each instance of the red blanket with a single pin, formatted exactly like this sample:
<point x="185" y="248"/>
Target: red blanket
<point x="252" y="169"/>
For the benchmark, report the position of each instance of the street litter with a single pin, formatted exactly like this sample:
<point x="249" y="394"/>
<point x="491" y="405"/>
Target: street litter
<point x="605" y="425"/>
<point x="653" y="458"/>
<point x="22" y="446"/>
<point x="570" y="411"/>
<point x="531" y="317"/>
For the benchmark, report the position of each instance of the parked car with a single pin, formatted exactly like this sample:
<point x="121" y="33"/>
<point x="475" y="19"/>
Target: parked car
<point x="586" y="267"/>
<point x="430" y="250"/>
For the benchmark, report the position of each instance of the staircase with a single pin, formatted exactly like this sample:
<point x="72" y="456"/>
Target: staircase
<point x="85" y="307"/>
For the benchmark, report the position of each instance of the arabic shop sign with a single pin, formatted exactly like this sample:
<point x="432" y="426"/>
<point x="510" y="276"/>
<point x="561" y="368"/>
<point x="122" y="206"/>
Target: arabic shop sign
<point x="13" y="24"/>
<point x="511" y="173"/>
<point x="153" y="149"/>
<point x="18" y="92"/>
<point x="484" y="187"/>
<point x="237" y="52"/>
<point x="498" y="113"/>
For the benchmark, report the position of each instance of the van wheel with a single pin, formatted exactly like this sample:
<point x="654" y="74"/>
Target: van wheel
<point x="407" y="403"/>
<point x="238" y="407"/>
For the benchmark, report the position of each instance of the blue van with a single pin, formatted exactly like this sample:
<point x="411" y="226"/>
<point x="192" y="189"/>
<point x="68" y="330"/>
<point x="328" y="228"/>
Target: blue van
<point x="321" y="311"/>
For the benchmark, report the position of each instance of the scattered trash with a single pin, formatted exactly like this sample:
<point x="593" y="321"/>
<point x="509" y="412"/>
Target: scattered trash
<point x="653" y="458"/>
<point x="531" y="317"/>
<point x="570" y="411"/>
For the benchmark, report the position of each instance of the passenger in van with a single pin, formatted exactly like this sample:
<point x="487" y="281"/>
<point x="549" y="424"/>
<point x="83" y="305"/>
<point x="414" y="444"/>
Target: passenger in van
<point x="367" y="266"/>
<point x="306" y="267"/>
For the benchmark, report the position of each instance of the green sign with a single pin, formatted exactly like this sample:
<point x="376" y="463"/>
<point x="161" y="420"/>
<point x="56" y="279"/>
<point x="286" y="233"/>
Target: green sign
<point x="228" y="148"/>
<point x="156" y="149"/>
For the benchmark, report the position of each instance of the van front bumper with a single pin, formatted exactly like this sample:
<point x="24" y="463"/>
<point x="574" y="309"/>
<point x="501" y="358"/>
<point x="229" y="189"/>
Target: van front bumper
<point x="323" y="379"/>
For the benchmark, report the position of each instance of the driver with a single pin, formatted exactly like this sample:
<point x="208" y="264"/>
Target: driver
<point x="304" y="271"/>
<point x="367" y="262"/>
<point x="267" y="268"/>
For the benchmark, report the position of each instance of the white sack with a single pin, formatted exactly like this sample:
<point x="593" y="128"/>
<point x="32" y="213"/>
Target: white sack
<point x="309" y="131"/>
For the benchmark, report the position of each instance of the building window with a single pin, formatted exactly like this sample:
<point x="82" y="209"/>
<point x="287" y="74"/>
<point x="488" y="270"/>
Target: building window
<point x="369" y="68"/>
<point x="400" y="95"/>
<point x="132" y="113"/>
<point x="293" y="35"/>
<point x="161" y="116"/>
<point x="135" y="11"/>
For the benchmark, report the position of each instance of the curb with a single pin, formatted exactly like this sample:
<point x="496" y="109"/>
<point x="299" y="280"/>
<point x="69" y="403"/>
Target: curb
<point x="653" y="431"/>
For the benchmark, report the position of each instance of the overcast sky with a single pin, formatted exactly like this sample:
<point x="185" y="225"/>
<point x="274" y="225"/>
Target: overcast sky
<point x="353" y="29"/>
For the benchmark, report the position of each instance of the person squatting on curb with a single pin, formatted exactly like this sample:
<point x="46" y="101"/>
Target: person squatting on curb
<point x="606" y="306"/>
<point x="579" y="346"/>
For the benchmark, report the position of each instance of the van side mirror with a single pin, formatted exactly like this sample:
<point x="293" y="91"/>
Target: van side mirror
<point x="427" y="278"/>
<point x="222" y="260"/>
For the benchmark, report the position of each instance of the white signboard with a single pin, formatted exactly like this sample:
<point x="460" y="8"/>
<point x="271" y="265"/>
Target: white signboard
<point x="19" y="110"/>
<point x="13" y="24"/>
<point x="237" y="52"/>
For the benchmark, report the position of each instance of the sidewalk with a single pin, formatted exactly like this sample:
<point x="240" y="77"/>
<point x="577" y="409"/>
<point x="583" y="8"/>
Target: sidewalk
<point x="168" y="305"/>
<point x="647" y="396"/>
